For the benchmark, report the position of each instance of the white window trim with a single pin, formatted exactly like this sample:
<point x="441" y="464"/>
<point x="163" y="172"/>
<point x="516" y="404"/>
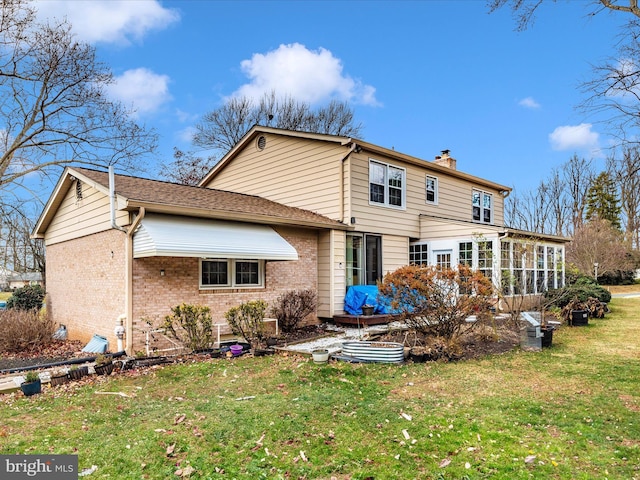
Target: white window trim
<point x="413" y="244"/>
<point x="435" y="196"/>
<point x="386" y="186"/>
<point x="231" y="268"/>
<point x="482" y="194"/>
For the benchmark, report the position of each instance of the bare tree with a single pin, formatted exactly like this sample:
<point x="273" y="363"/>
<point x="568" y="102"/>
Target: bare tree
<point x="53" y="104"/>
<point x="599" y="242"/>
<point x="18" y="251"/>
<point x="578" y="176"/>
<point x="614" y="90"/>
<point x="524" y="11"/>
<point x="557" y="205"/>
<point x="223" y="127"/>
<point x="626" y="173"/>
<point x="186" y="168"/>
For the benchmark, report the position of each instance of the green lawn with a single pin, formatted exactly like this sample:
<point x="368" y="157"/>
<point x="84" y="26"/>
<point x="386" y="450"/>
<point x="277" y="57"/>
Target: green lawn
<point x="570" y="412"/>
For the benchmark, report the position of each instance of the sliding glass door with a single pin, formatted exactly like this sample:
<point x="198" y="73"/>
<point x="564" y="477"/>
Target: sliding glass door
<point x="364" y="259"/>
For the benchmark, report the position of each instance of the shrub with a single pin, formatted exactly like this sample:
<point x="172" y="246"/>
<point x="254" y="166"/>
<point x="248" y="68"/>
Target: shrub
<point x="247" y="321"/>
<point x="191" y="325"/>
<point x="436" y="301"/>
<point x="583" y="289"/>
<point x="24" y="330"/>
<point x="292" y="307"/>
<point x="31" y="376"/>
<point x="29" y="297"/>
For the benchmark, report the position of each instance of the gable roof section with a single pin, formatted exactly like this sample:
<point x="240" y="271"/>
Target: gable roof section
<point x="350" y="145"/>
<point x="171" y="198"/>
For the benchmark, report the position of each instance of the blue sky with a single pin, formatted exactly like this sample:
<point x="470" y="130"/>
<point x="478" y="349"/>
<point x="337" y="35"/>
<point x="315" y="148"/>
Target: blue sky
<point x="422" y="76"/>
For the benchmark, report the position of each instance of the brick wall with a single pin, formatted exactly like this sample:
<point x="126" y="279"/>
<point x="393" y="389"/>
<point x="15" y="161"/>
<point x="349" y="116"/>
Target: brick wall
<point x="85" y="282"/>
<point x="155" y="294"/>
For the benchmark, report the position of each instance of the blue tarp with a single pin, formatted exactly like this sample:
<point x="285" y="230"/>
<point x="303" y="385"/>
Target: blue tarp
<point x="359" y="295"/>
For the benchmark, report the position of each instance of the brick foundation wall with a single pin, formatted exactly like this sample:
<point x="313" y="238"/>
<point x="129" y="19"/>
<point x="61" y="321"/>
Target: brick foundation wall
<point x="154" y="294"/>
<point x="85" y="283"/>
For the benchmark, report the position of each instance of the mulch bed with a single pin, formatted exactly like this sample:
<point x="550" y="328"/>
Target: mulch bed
<point x="56" y="351"/>
<point x="475" y="344"/>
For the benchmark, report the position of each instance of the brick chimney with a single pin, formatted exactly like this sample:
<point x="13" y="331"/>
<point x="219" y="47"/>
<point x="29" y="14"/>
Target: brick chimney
<point x="445" y="160"/>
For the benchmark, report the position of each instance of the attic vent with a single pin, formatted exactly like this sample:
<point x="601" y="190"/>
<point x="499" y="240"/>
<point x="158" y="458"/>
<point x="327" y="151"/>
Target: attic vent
<point x="262" y="142"/>
<point x="78" y="190"/>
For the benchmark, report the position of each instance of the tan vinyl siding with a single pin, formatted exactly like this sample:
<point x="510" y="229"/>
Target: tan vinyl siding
<point x="331" y="283"/>
<point x="339" y="239"/>
<point x="325" y="275"/>
<point x="300" y="173"/>
<point x="395" y="253"/>
<point x="453" y="202"/>
<point x="374" y="218"/>
<point x="80" y="217"/>
<point x="442" y="229"/>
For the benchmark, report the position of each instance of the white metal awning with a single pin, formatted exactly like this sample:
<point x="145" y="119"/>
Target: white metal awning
<point x="174" y="236"/>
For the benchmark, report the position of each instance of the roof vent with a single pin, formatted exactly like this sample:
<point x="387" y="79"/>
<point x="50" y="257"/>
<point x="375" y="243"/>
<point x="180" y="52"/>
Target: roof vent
<point x="261" y="142"/>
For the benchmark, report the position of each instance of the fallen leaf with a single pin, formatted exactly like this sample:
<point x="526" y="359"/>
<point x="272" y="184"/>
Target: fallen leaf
<point x="406" y="416"/>
<point x="406" y="434"/>
<point x="529" y="459"/>
<point x="171" y="449"/>
<point x="179" y="419"/>
<point x="187" y="471"/>
<point x="445" y="462"/>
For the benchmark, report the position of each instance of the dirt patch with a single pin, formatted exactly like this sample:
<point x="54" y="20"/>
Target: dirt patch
<point x="476" y="342"/>
<point x="56" y="351"/>
<point x="309" y="332"/>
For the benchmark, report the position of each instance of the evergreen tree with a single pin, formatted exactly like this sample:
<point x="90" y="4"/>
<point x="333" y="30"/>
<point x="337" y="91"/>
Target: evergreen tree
<point x="603" y="201"/>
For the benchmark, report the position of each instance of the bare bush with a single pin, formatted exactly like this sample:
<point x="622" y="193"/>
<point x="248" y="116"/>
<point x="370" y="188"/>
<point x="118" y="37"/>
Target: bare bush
<point x="292" y="307"/>
<point x="436" y="301"/>
<point x="24" y="330"/>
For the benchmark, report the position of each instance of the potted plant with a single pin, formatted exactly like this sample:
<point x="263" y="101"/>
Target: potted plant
<point x="76" y="372"/>
<point x="59" y="377"/>
<point x="31" y="384"/>
<point x="104" y="365"/>
<point x="576" y="313"/>
<point x="367" y="310"/>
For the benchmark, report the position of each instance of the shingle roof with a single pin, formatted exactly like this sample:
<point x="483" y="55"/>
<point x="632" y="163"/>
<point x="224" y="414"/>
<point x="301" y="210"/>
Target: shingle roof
<point x="162" y="196"/>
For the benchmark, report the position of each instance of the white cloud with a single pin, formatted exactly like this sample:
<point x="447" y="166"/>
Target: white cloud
<point x="186" y="134"/>
<point x="529" y="102"/>
<point x="145" y="90"/>
<point x="305" y="75"/>
<point x="574" y="137"/>
<point x="109" y="21"/>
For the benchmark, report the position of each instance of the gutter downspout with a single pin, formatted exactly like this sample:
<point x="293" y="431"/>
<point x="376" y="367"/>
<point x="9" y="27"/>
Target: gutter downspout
<point x="128" y="296"/>
<point x="112" y="200"/>
<point x="129" y="280"/>
<point x="354" y="148"/>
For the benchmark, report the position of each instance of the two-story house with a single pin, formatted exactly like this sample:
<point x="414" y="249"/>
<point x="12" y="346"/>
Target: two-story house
<point x="282" y="210"/>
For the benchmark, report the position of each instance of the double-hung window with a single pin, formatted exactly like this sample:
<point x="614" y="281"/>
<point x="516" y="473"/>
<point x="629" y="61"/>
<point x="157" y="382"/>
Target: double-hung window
<point x="431" y="189"/>
<point x="230" y="273"/>
<point x="386" y="184"/>
<point x="482" y="206"/>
